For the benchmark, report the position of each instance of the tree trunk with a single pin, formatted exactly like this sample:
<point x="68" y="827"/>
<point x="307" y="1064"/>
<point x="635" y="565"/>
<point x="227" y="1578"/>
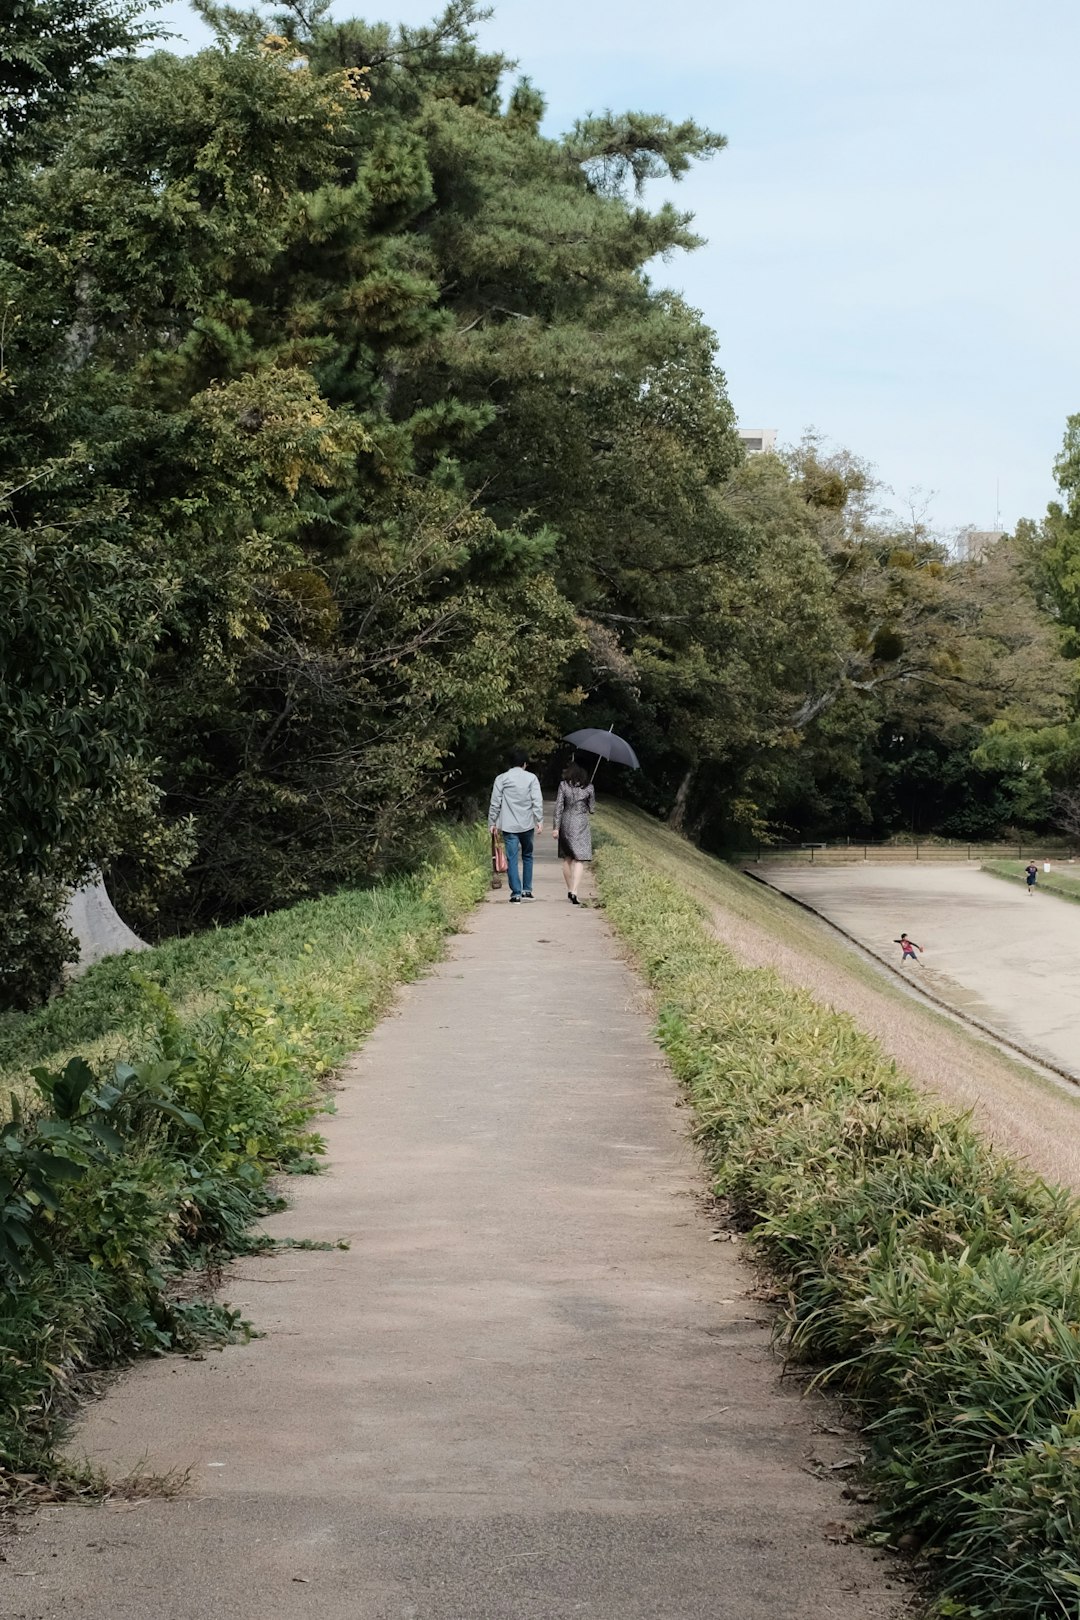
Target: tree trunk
<point x="677" y="817"/>
<point x="100" y="931"/>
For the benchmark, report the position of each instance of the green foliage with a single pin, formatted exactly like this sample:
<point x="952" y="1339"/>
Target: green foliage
<point x="939" y="679"/>
<point x="98" y="1183"/>
<point x="50" y="49"/>
<point x="241" y="250"/>
<point x="318" y="957"/>
<point x="37" y="944"/>
<point x="122" y="1175"/>
<point x="615" y="149"/>
<point x="77" y="623"/>
<point x="933" y="1281"/>
<point x="1050" y="555"/>
<point x="1054" y="547"/>
<point x="78" y="604"/>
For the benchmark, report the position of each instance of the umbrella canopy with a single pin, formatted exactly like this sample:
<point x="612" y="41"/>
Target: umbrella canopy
<point x="606" y="744"/>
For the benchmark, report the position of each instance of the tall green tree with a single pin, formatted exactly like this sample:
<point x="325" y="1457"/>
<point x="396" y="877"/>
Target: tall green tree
<point x="340" y="610"/>
<point x="50" y="50"/>
<point x="77" y="625"/>
<point x="1049" y="554"/>
<point x="934" y="662"/>
<point x="1053" y="547"/>
<point x="78" y="606"/>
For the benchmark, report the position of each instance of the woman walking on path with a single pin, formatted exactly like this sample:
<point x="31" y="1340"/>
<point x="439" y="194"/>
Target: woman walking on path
<point x="573" y="807"/>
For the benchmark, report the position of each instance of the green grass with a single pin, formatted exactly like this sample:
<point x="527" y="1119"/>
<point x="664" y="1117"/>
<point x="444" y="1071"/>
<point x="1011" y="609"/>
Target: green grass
<point x="117" y="1182"/>
<point x="1064" y="884"/>
<point x="332" y="961"/>
<point x="927" y="1277"/>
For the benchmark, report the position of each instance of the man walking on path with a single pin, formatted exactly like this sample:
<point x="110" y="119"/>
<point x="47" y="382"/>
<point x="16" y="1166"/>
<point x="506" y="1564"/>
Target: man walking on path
<point x="517" y="808"/>
<point x="908" y="947"/>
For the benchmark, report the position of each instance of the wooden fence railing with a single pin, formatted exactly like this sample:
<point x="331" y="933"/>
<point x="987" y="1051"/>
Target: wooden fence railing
<point x="845" y="853"/>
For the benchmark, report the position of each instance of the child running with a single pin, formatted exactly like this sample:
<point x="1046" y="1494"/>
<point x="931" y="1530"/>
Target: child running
<point x="908" y="947"/>
<point x="1031" y="873"/>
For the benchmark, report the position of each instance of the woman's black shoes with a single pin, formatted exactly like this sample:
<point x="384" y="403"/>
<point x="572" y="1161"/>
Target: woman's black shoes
<point x="573" y="899"/>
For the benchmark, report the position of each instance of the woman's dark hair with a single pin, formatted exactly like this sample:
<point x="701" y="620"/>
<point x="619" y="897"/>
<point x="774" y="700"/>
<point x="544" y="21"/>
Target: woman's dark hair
<point x="575" y="775"/>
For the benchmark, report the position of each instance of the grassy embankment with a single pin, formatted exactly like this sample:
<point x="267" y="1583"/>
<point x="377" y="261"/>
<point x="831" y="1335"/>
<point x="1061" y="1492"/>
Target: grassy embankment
<point x="725" y="888"/>
<point x="716" y="883"/>
<point x="929" y="1278"/>
<point x="1064" y="884"/>
<point x="121" y="1176"/>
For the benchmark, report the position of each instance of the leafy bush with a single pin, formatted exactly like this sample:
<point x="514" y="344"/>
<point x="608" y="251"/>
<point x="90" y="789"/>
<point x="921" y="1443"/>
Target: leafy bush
<point x="930" y="1279"/>
<point x="1030" y="1505"/>
<point x="37" y="942"/>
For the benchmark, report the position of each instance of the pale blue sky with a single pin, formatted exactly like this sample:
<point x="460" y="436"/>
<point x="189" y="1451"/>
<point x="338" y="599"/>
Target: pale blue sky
<point x="893" y="235"/>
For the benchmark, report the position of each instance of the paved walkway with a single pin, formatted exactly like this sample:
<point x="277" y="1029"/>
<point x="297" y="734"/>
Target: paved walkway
<point x="532" y="1388"/>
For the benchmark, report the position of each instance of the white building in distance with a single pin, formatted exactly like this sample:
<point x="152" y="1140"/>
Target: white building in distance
<point x="973" y="543"/>
<point x="755" y="440"/>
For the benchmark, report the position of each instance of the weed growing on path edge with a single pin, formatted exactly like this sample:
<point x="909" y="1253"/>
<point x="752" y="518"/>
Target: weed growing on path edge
<point x="930" y="1279"/>
<point x="121" y="1180"/>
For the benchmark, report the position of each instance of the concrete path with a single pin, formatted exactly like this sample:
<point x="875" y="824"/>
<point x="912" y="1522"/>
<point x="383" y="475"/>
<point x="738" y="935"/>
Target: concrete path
<point x="1007" y="958"/>
<point x="532" y="1389"/>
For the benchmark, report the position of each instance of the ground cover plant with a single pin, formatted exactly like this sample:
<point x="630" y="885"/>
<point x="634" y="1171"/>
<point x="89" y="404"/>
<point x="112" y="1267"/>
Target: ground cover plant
<point x="318" y="954"/>
<point x="928" y="1278"/>
<point x="120" y="1178"/>
<point x="1064" y="884"/>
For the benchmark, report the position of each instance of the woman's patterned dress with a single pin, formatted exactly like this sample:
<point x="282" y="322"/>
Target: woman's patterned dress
<point x="573" y="808"/>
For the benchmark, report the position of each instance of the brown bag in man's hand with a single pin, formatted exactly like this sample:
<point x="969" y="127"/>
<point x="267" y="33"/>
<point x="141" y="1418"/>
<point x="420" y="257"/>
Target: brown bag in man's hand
<point x="498" y="860"/>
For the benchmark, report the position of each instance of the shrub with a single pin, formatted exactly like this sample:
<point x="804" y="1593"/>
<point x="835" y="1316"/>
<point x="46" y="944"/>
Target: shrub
<point x="37" y="942"/>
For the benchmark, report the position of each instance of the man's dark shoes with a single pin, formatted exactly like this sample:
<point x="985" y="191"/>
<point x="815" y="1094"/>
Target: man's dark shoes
<point x="526" y="894"/>
<point x="514" y="898"/>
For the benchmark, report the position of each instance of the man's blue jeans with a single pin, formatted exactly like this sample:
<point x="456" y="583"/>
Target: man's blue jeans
<point x="519" y="844"/>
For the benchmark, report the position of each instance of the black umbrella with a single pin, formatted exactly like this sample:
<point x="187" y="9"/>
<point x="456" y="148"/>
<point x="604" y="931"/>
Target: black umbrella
<point x="606" y="744"/>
